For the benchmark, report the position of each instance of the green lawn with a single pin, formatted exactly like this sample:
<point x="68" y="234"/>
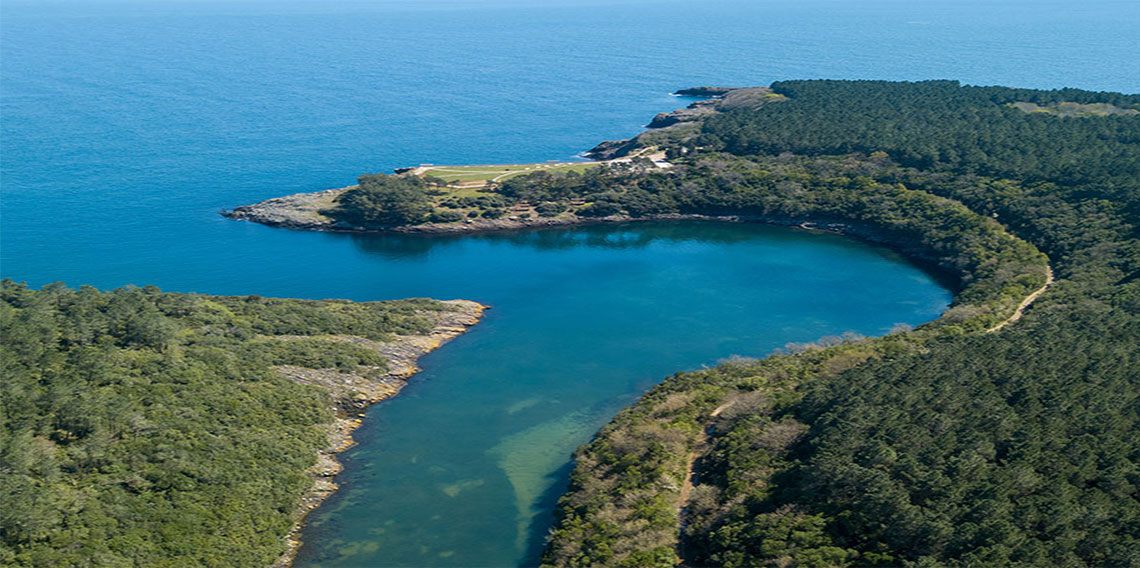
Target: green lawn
<point x="471" y="174"/>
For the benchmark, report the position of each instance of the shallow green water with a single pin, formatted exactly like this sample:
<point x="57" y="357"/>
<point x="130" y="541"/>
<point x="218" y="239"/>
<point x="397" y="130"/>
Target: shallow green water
<point x="463" y="468"/>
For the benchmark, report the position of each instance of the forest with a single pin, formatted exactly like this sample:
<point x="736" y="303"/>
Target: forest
<point x="143" y="428"/>
<point x="925" y="448"/>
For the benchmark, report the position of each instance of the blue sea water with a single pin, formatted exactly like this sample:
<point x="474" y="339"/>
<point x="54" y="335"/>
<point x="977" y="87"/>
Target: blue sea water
<point x="126" y="126"/>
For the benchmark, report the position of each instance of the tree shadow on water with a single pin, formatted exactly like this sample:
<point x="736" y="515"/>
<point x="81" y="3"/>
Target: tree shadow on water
<point x="633" y="235"/>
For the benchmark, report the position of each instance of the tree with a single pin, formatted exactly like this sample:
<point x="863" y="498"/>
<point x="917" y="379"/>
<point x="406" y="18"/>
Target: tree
<point x="384" y="201"/>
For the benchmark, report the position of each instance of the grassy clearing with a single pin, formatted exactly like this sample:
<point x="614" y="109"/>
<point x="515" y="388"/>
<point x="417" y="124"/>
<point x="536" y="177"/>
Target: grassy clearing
<point x="483" y="174"/>
<point x="1075" y="109"/>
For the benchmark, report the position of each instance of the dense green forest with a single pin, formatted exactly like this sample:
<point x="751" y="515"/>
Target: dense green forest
<point x="944" y="446"/>
<point x="132" y="419"/>
<point x="940" y="125"/>
<point x="142" y="428"/>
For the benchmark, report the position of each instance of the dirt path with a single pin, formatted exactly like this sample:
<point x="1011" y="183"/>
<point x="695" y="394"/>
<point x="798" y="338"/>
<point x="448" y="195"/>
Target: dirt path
<point x="690" y="475"/>
<point x="1026" y="302"/>
<point x="691" y="461"/>
<point x="687" y="485"/>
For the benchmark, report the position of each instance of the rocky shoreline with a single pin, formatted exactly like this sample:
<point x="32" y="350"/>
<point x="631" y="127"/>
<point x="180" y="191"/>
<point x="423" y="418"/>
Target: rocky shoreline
<point x="353" y="393"/>
<point x="681" y="123"/>
<point x="288" y="212"/>
<point x="298" y="212"/>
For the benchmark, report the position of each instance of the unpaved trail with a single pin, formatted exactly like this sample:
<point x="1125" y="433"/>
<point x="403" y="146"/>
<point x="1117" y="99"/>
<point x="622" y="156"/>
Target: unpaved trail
<point x="690" y="475"/>
<point x="1026" y="302"/>
<point x="691" y="461"/>
<point x="687" y="484"/>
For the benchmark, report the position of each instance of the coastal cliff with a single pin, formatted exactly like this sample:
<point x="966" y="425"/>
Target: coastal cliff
<point x="296" y="211"/>
<point x="677" y="126"/>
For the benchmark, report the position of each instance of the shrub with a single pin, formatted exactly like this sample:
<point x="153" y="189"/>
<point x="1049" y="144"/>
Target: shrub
<point x="445" y="216"/>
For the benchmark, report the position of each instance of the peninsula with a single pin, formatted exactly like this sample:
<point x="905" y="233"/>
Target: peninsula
<point x="460" y="199"/>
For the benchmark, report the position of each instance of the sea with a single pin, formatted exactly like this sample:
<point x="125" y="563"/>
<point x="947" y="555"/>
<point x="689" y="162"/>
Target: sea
<point x="126" y="126"/>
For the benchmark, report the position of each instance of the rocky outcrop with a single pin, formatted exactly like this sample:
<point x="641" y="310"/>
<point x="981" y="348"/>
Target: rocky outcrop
<point x="668" y="124"/>
<point x="749" y="97"/>
<point x="610" y="149"/>
<point x="728" y="98"/>
<point x="296" y="211"/>
<point x="704" y="91"/>
<point x="695" y="111"/>
<point x="301" y="211"/>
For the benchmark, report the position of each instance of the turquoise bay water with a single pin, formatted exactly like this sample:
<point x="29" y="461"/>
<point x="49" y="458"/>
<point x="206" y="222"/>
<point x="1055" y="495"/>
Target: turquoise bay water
<point x="463" y="468"/>
<point x="126" y="125"/>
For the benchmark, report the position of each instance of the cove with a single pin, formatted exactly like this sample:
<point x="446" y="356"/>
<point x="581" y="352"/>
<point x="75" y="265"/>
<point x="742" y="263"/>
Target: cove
<point x="128" y="125"/>
<point x="464" y="466"/>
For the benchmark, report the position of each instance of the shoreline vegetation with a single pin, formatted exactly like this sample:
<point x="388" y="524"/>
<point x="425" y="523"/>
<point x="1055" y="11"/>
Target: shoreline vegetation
<point x="1001" y="433"/>
<point x="630" y="182"/>
<point x="142" y="426"/>
<point x="946" y="445"/>
<point x="797" y="458"/>
<point x="352" y="394"/>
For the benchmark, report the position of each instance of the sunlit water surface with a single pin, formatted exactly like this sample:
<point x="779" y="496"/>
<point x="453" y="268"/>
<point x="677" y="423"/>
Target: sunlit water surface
<point x="127" y="125"/>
